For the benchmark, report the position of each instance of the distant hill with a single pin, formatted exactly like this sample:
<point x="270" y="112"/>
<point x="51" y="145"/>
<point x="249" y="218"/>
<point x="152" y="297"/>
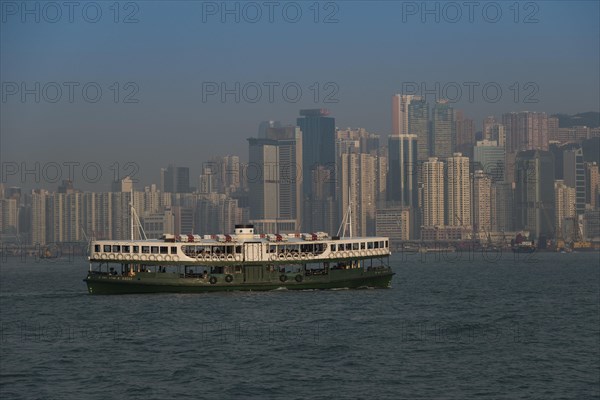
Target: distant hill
<point x="590" y="119"/>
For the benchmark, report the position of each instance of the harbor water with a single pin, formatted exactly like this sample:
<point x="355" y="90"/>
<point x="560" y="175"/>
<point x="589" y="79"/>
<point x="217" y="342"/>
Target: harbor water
<point x="452" y="326"/>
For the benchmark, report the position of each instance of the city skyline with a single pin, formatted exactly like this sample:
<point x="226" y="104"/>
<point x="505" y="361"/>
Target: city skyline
<point x="163" y="81"/>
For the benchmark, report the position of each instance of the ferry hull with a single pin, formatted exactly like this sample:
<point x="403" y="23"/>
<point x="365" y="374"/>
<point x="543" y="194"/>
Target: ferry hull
<point x="172" y="283"/>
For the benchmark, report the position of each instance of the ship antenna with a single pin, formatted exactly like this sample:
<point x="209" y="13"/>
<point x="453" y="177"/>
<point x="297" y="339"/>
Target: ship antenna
<point x="135" y="215"/>
<point x="347" y="220"/>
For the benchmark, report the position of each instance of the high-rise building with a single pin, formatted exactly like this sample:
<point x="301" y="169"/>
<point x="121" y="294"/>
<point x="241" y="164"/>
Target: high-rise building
<point x="458" y="191"/>
<point x="553" y="129"/>
<point x="564" y="201"/>
<point x="276" y="181"/>
<point x="393" y="222"/>
<point x="502" y="207"/>
<point x="490" y="158"/>
<point x="318" y="150"/>
<point x="175" y="179"/>
<point x="574" y="176"/>
<point x="488" y="123"/>
<point x="482" y="205"/>
<point x="318" y="142"/>
<point x="433" y="192"/>
<point x="357" y="179"/>
<point x="534" y="192"/>
<point x="526" y="131"/>
<point x="418" y="124"/>
<point x="400" y="105"/>
<point x="592" y="184"/>
<point x="443" y="134"/>
<point x="465" y="134"/>
<point x="402" y="170"/>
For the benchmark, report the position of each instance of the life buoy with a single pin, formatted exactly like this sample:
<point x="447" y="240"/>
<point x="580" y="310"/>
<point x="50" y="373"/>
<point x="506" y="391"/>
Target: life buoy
<point x="228" y="278"/>
<point x="135" y="257"/>
<point x="222" y="257"/>
<point x="362" y="253"/>
<point x="152" y="257"/>
<point x="230" y="257"/>
<point x="369" y="252"/>
<point x="298" y="278"/>
<point x="167" y="258"/>
<point x="296" y="256"/>
<point x="304" y="256"/>
<point x="104" y="256"/>
<point x="273" y="257"/>
<point x="288" y="256"/>
<point x="95" y="256"/>
<point x="143" y="257"/>
<point x="128" y="257"/>
<point x="213" y="280"/>
<point x="159" y="258"/>
<point x="283" y="278"/>
<point x="238" y="257"/>
<point x="176" y="258"/>
<point x="111" y="256"/>
<point x="281" y="256"/>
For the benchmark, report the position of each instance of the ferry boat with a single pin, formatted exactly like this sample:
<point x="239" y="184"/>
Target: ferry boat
<point x="241" y="261"/>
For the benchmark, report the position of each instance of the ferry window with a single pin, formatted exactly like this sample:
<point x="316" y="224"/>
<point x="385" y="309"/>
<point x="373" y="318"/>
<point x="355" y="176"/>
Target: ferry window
<point x="164" y="250"/>
<point x="136" y="249"/>
<point x="362" y="245"/>
<point x="238" y="249"/>
<point x="145" y="249"/>
<point x="354" y="246"/>
<point x="229" y="249"/>
<point x="97" y="248"/>
<point x="369" y="245"/>
<point x="381" y="244"/>
<point x="348" y="246"/>
<point x="116" y="249"/>
<point x="173" y="250"/>
<point x="376" y="245"/>
<point x="154" y="249"/>
<point x="107" y="248"/>
<point x="386" y="243"/>
<point x="126" y="249"/>
<point x="333" y="247"/>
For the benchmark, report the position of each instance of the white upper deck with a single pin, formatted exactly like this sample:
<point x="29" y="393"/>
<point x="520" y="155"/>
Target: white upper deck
<point x="243" y="246"/>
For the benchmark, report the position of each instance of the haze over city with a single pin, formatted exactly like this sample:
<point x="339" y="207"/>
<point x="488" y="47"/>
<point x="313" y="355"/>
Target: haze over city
<point x="164" y="61"/>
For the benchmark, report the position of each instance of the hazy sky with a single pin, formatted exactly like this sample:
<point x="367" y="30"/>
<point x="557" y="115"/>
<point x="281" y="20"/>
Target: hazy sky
<point x="175" y="59"/>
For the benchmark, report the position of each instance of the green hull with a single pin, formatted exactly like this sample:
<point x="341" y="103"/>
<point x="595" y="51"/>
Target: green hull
<point x="156" y="282"/>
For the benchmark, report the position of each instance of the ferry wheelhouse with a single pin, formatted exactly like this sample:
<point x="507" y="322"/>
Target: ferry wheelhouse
<point x="241" y="261"/>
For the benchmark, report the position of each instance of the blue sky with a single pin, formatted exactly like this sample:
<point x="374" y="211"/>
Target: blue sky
<point x="174" y="50"/>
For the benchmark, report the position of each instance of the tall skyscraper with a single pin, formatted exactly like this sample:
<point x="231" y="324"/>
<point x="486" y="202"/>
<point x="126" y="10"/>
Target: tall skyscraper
<point x="400" y="105"/>
<point x="502" y="207"/>
<point x="534" y="192"/>
<point x="458" y="191"/>
<point x="574" y="176"/>
<point x="526" y="131"/>
<point x="443" y="134"/>
<point x="402" y="174"/>
<point x="465" y="134"/>
<point x="564" y="199"/>
<point x="175" y="179"/>
<point x="433" y="192"/>
<point x="318" y="150"/>
<point x="482" y="205"/>
<point x="490" y="157"/>
<point x="274" y="178"/>
<point x="592" y="184"/>
<point x="418" y="124"/>
<point x="356" y="177"/>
